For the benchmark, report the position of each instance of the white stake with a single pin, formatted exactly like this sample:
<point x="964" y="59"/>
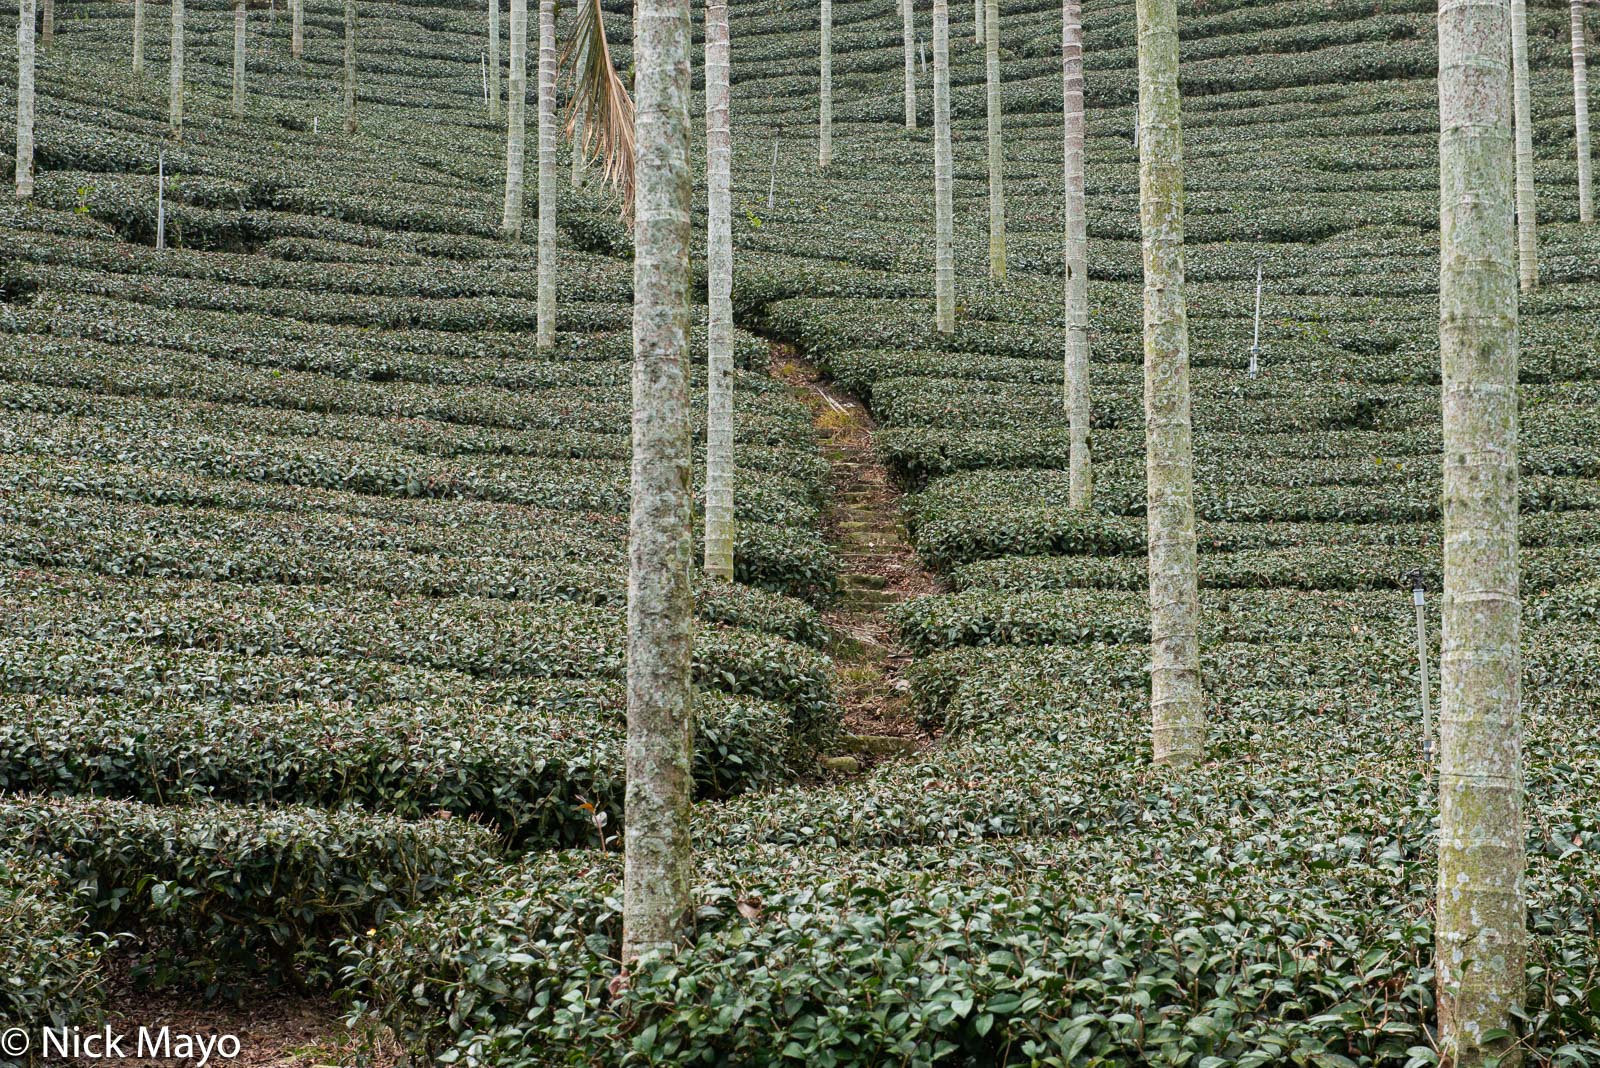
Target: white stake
<point x="1255" y="346"/>
<point x="772" y="179"/>
<point x="484" y="65"/>
<point x="1418" y="598"/>
<point x="161" y="200"/>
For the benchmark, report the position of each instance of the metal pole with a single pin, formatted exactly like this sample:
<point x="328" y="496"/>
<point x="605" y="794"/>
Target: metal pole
<point x="772" y="180"/>
<point x="161" y="200"/>
<point x="483" y="64"/>
<point x="1419" y="598"/>
<point x="1255" y="346"/>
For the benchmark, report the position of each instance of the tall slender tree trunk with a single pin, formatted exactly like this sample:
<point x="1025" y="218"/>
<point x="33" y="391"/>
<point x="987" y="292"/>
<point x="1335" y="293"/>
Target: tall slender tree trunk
<point x="47" y="25"/>
<point x="138" y="38"/>
<point x="1481" y="935"/>
<point x="825" y="113"/>
<point x="719" y="295"/>
<point x="578" y="133"/>
<point x="516" y="122"/>
<point x="350" y="66"/>
<point x="1075" y="250"/>
<point x="657" y="867"/>
<point x="238" y="58"/>
<point x="297" y="29"/>
<point x="944" y="258"/>
<point x="1176" y="701"/>
<point x="545" y="338"/>
<point x="494" y="60"/>
<point x="997" y="187"/>
<point x="909" y="41"/>
<point x="977" y="21"/>
<point x="1580" y="106"/>
<point x="175" y="73"/>
<point x="1527" y="205"/>
<point x="25" y="16"/>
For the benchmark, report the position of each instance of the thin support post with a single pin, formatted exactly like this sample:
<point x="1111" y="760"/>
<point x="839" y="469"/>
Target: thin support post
<point x="1255" y="345"/>
<point x="1419" y="600"/>
<point x="161" y="200"/>
<point x="772" y="176"/>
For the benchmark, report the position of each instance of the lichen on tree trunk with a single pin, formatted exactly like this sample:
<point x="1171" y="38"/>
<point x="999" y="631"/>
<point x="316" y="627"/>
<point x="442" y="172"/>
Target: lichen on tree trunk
<point x="47" y="24"/>
<point x="1481" y="937"/>
<point x="656" y="866"/>
<point x="545" y="337"/>
<point x="175" y="73"/>
<point x="1075" y="241"/>
<point x="944" y="264"/>
<point x="239" y="17"/>
<point x="494" y="60"/>
<point x="1176" y="702"/>
<point x="719" y="293"/>
<point x="25" y="61"/>
<point x="297" y="28"/>
<point x="1527" y="206"/>
<point x="825" y="108"/>
<point x="516" y="122"/>
<point x="350" y="66"/>
<point x="997" y="187"/>
<point x="908" y="43"/>
<point x="1580" y="108"/>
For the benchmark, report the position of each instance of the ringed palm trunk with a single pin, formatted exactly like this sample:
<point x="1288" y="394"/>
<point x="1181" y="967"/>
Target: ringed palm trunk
<point x="1527" y="207"/>
<point x="175" y="73"/>
<point x="494" y="60"/>
<point x="47" y="25"/>
<point x="545" y="338"/>
<point x="997" y="189"/>
<point x="1075" y="248"/>
<point x="350" y="66"/>
<point x="138" y="38"/>
<point x="944" y="259"/>
<point x="1176" y="701"/>
<point x="656" y="867"/>
<point x="825" y="114"/>
<point x="25" y="57"/>
<point x="238" y="57"/>
<point x="297" y="29"/>
<point x="1580" y="106"/>
<point x="1480" y="932"/>
<point x="719" y="294"/>
<point x="516" y="122"/>
<point x="909" y="42"/>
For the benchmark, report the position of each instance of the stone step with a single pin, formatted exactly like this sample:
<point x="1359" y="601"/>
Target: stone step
<point x="880" y="744"/>
<point x="856" y="580"/>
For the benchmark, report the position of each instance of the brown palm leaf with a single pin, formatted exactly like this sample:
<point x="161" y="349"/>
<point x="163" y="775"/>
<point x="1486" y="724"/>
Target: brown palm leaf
<point x="602" y="98"/>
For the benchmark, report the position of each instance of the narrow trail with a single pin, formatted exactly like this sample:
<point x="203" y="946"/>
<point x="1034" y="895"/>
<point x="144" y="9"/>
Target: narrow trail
<point x="880" y="569"/>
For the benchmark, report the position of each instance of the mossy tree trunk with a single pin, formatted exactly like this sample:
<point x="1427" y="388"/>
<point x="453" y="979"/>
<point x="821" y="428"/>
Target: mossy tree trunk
<point x="297" y="28"/>
<point x="997" y="187"/>
<point x="657" y="864"/>
<point x="350" y="66"/>
<point x="516" y="122"/>
<point x="1176" y="702"/>
<point x="494" y="60"/>
<point x="825" y="109"/>
<point x="1580" y="107"/>
<point x="138" y="38"/>
<point x="545" y="338"/>
<point x="1076" y="258"/>
<point x="1481" y="935"/>
<point x="25" y="62"/>
<point x="175" y="73"/>
<point x="1527" y="205"/>
<point x="908" y="35"/>
<point x="719" y="294"/>
<point x="944" y="261"/>
<point x="238" y="58"/>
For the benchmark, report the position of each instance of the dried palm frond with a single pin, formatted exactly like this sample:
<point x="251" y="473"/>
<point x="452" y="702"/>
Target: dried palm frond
<point x="601" y="97"/>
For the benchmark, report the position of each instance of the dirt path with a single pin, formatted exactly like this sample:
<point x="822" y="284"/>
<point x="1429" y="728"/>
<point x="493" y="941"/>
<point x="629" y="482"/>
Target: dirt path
<point x="879" y="570"/>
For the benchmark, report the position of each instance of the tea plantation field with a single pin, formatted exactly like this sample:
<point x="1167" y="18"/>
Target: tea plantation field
<point x="312" y="568"/>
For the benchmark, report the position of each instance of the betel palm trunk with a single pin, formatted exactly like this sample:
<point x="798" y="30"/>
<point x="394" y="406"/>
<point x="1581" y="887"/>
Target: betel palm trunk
<point x="825" y="107"/>
<point x="1480" y="927"/>
<point x="25" y="59"/>
<point x="545" y="334"/>
<point x="297" y="28"/>
<point x="494" y="60"/>
<point x="908" y="35"/>
<point x="1527" y="207"/>
<point x="138" y="38"/>
<point x="47" y="24"/>
<point x="349" y="66"/>
<point x="944" y="259"/>
<point x="1075" y="241"/>
<point x="719" y="296"/>
<point x="516" y="122"/>
<point x="1580" y="108"/>
<point x="175" y="73"/>
<point x="656" y="865"/>
<point x="997" y="189"/>
<point x="1176" y="701"/>
<point x="238" y="58"/>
